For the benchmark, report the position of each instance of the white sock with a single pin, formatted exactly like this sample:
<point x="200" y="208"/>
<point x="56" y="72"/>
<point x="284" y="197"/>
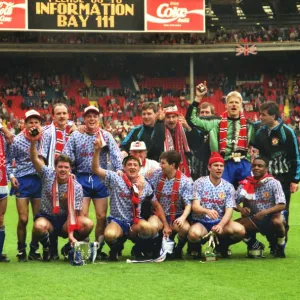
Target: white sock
<point x="281" y="241"/>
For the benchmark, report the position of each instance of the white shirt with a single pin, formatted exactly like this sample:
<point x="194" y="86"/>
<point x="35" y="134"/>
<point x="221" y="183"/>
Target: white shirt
<point x="150" y="165"/>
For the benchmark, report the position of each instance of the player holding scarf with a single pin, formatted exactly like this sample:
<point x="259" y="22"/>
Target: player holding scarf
<point x="56" y="135"/>
<point x="53" y="141"/>
<point x="61" y="204"/>
<point x="127" y="193"/>
<point x="174" y="191"/>
<point x="175" y="138"/>
<point x="231" y="135"/>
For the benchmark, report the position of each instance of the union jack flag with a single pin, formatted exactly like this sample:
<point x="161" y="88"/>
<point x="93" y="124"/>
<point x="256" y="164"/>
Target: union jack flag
<point x="245" y="50"/>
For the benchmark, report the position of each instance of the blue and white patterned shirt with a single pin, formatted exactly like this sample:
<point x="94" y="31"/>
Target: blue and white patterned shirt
<point x="48" y="177"/>
<point x="80" y="148"/>
<point x="267" y="195"/>
<point x="120" y="197"/>
<point x="4" y="141"/>
<point x="185" y="191"/>
<point x="214" y="197"/>
<point x="19" y="151"/>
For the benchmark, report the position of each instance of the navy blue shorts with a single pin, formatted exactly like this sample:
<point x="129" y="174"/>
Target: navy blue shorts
<point x="3" y="196"/>
<point x="29" y="187"/>
<point x="92" y="186"/>
<point x="57" y="222"/>
<point x="236" y="171"/>
<point x="265" y="226"/>
<point x="207" y="224"/>
<point x="125" y="226"/>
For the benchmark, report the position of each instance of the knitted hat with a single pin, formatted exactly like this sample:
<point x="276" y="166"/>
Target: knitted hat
<point x="215" y="157"/>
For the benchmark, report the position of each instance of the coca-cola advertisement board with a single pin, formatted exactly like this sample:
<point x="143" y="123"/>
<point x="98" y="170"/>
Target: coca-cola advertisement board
<point x="13" y="15"/>
<point x="175" y="16"/>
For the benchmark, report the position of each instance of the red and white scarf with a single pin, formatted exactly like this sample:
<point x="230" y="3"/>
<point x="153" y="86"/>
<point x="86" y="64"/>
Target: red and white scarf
<point x="60" y="140"/>
<point x="57" y="142"/>
<point x="135" y="200"/>
<point x="3" y="178"/>
<point x="180" y="145"/>
<point x="174" y="193"/>
<point x="242" y="144"/>
<point x="98" y="132"/>
<point x="72" y="217"/>
<point x="250" y="185"/>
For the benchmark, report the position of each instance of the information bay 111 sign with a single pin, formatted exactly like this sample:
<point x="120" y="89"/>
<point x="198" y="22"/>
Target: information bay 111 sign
<point x="103" y="15"/>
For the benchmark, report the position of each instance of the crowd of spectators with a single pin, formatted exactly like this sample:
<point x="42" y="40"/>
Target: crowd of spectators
<point x="121" y="107"/>
<point x="257" y="34"/>
<point x="38" y="90"/>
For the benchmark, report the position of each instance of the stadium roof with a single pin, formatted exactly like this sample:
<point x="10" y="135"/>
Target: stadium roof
<point x="233" y="13"/>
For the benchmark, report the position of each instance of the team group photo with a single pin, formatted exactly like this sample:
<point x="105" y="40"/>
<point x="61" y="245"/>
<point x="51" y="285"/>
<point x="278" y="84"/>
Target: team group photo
<point x="148" y="145"/>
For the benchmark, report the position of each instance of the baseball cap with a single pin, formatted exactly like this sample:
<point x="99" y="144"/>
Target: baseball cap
<point x="32" y="113"/>
<point x="91" y="108"/>
<point x="137" y="145"/>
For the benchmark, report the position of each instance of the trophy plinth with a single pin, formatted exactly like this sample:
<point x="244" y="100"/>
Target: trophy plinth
<point x="210" y="257"/>
<point x="209" y="254"/>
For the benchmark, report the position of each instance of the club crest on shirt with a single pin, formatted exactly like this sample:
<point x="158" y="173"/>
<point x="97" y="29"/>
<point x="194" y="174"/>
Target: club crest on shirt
<point x="266" y="195"/>
<point x="63" y="196"/>
<point x="222" y="195"/>
<point x="275" y="141"/>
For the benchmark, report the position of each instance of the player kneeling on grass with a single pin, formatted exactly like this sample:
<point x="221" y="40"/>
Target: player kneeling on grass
<point x="174" y="191"/>
<point x="61" y="204"/>
<point x="263" y="203"/>
<point x="212" y="208"/>
<point x="128" y="192"/>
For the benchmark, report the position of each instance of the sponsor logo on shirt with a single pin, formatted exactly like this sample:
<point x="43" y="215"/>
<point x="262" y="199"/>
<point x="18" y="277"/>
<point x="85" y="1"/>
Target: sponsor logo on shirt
<point x="86" y="154"/>
<point x="212" y="201"/>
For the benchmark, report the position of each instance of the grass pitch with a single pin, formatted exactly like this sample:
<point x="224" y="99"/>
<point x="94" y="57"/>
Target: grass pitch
<point x="234" y="278"/>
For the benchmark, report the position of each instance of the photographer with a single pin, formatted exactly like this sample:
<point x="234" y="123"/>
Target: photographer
<point x="25" y="182"/>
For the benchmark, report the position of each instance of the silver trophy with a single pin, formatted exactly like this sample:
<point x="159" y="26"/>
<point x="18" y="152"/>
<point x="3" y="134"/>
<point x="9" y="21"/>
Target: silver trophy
<point x="209" y="254"/>
<point x="85" y="252"/>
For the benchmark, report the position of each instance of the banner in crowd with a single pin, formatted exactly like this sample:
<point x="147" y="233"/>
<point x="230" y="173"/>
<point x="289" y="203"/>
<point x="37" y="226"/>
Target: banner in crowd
<point x="103" y="15"/>
<point x="13" y="14"/>
<point x="245" y="50"/>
